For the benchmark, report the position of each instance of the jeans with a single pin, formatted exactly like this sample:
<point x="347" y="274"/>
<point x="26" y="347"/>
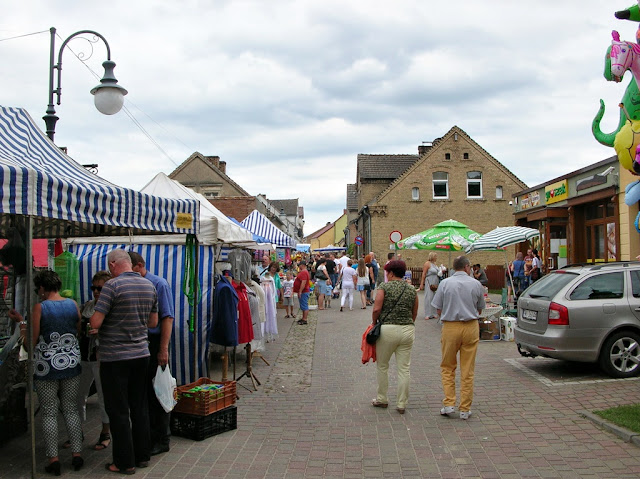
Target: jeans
<point x="462" y="336"/>
<point x="124" y="384"/>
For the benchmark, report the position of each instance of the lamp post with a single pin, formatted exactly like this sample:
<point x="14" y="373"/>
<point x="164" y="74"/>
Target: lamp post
<point x="108" y="96"/>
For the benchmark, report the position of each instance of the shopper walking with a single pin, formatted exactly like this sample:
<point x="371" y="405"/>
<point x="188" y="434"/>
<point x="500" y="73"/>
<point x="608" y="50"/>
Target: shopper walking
<point x="363" y="281"/>
<point x="349" y="279"/>
<point x="429" y="283"/>
<point x="396" y="308"/>
<point x="459" y="301"/>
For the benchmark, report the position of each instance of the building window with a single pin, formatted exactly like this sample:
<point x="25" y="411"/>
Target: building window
<point x="465" y="156"/>
<point x="440" y="185"/>
<point x="415" y="194"/>
<point x="447" y="156"/>
<point x="210" y="194"/>
<point x="498" y="192"/>
<point x="474" y="184"/>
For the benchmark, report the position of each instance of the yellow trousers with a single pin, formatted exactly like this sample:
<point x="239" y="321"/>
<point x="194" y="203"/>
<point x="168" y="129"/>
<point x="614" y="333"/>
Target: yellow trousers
<point x="399" y="340"/>
<point x="460" y="336"/>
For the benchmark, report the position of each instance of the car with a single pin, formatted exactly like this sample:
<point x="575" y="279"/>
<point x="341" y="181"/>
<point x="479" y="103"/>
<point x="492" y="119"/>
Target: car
<point x="585" y="313"/>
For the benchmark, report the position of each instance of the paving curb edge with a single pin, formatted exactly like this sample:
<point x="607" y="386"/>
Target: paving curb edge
<point x="623" y="433"/>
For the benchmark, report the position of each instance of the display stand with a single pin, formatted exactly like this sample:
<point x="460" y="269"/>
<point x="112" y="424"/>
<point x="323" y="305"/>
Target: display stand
<point x="249" y="371"/>
<point x="225" y="365"/>
<point x="258" y="354"/>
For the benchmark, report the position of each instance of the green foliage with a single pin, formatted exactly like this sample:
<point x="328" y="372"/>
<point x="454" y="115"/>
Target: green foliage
<point x="623" y="416"/>
<point x="350" y="249"/>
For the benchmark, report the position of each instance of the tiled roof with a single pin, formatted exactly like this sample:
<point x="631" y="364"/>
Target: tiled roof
<point x="321" y="231"/>
<point x="290" y="206"/>
<point x="352" y="197"/>
<point x="383" y="167"/>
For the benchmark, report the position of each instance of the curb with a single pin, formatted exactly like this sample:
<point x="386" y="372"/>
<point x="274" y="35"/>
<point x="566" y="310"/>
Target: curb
<point x="623" y="433"/>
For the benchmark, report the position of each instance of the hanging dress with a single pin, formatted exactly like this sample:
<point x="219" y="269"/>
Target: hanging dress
<point x="270" y="325"/>
<point x="245" y="327"/>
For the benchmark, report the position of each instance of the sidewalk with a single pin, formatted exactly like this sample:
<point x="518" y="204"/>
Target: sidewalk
<point x="312" y="417"/>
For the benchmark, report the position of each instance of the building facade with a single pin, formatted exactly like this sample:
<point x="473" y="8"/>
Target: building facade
<point x="450" y="178"/>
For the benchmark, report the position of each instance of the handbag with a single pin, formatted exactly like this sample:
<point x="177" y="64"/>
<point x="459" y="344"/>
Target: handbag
<point x="321" y="276"/>
<point x="433" y="287"/>
<point x="374" y="334"/>
<point x="336" y="290"/>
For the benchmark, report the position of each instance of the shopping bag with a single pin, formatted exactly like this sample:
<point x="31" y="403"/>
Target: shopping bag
<point x="336" y="290"/>
<point x="164" y="386"/>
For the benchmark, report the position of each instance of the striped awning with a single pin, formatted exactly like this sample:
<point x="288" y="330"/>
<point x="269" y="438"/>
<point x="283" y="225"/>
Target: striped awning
<point x="260" y="225"/>
<point x="502" y="237"/>
<point x="38" y="179"/>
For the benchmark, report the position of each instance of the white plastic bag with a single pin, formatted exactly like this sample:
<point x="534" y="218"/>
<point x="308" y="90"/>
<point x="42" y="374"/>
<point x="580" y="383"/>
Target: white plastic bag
<point x="164" y="386"/>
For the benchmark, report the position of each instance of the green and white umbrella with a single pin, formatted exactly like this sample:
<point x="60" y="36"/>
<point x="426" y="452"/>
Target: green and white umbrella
<point x="450" y="235"/>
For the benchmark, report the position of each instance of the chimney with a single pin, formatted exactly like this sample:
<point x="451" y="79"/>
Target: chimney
<point x="214" y="160"/>
<point x="223" y="166"/>
<point x="424" y="148"/>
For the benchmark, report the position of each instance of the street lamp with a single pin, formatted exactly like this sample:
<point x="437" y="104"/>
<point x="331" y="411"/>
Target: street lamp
<point x="108" y="96"/>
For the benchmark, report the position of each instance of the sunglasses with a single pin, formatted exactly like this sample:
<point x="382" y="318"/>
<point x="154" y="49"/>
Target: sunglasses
<point x="96" y="288"/>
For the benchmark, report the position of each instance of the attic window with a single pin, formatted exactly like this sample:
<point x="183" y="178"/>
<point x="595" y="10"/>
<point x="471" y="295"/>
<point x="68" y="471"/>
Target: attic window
<point x="465" y="156"/>
<point x="447" y="156"/>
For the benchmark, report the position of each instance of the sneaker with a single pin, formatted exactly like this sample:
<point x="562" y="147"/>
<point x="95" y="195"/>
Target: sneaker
<point x="445" y="411"/>
<point x="465" y="415"/>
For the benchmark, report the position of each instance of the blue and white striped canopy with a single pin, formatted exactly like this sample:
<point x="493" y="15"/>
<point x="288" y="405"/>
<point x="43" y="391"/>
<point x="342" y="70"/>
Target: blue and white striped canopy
<point x="260" y="225"/>
<point x="38" y="179"/>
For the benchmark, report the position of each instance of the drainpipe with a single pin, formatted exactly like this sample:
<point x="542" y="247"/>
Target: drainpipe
<point x="365" y="210"/>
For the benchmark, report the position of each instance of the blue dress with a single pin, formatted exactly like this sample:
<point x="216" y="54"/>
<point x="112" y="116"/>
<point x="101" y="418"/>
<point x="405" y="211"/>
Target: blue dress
<point x="57" y="354"/>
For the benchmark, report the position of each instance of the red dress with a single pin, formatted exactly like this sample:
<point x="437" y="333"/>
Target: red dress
<point x="245" y="326"/>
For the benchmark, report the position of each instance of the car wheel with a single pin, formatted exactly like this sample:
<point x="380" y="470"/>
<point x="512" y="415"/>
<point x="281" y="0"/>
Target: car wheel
<point x="620" y="355"/>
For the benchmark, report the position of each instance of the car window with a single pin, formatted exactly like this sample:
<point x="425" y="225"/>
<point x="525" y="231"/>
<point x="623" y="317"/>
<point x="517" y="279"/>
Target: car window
<point x="549" y="285"/>
<point x="635" y="283"/>
<point x="600" y="286"/>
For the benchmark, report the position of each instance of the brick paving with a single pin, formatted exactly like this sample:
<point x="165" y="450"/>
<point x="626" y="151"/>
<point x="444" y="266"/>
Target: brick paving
<point x="312" y="418"/>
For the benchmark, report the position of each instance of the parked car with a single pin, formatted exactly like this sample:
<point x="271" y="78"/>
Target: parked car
<point x="587" y="313"/>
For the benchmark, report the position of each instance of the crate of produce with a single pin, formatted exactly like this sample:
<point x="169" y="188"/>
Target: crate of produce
<point x="205" y="396"/>
<point x="201" y="427"/>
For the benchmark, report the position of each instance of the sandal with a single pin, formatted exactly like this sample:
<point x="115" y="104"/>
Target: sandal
<point x="376" y="403"/>
<point x="100" y="445"/>
<point x="111" y="467"/>
<point x="302" y="321"/>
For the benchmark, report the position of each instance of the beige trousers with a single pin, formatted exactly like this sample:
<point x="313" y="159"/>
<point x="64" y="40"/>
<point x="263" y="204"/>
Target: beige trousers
<point x="399" y="340"/>
<point x="460" y="336"/>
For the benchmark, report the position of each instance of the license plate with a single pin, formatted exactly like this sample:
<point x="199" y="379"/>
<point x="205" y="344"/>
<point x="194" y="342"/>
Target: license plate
<point x="530" y="315"/>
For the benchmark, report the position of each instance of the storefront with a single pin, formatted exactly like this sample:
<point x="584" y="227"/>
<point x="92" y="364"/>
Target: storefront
<point x="578" y="216"/>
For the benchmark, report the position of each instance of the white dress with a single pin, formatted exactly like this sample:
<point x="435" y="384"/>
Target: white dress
<point x="271" y="325"/>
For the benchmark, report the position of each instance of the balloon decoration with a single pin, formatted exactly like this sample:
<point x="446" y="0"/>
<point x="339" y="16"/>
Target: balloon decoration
<point x="623" y="56"/>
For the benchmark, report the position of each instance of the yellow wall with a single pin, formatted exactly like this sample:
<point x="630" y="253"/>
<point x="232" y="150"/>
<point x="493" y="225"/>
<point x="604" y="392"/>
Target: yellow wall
<point x="338" y="227"/>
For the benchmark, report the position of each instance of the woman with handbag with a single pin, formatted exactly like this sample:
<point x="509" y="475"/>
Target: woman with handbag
<point x="429" y="282"/>
<point x="324" y="288"/>
<point x="396" y="308"/>
<point x="363" y="281"/>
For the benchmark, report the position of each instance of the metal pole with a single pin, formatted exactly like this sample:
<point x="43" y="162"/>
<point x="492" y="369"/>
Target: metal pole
<point x="28" y="287"/>
<point x="50" y="118"/>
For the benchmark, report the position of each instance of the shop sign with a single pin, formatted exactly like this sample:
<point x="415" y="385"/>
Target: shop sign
<point x="556" y="192"/>
<point x="530" y="200"/>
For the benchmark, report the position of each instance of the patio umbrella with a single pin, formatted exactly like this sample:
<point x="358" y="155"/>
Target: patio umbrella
<point x="502" y="237"/>
<point x="450" y="235"/>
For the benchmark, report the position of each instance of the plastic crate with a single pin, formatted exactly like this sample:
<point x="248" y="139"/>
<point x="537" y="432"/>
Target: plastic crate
<point x="205" y="401"/>
<point x="201" y="427"/>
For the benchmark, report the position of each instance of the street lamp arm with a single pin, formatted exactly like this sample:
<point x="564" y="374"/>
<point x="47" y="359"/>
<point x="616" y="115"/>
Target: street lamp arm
<point x="110" y="99"/>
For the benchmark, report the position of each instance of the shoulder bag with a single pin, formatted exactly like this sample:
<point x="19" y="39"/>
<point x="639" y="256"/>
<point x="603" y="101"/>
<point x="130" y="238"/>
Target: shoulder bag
<point x="374" y="334"/>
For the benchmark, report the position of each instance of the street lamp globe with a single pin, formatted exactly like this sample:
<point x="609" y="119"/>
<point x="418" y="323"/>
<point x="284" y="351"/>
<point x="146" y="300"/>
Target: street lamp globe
<point x="108" y="97"/>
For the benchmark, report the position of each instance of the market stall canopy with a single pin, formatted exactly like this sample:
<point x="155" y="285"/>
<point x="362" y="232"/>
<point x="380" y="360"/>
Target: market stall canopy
<point x="260" y="241"/>
<point x="450" y="235"/>
<point x="215" y="227"/>
<point x="329" y="249"/>
<point x="65" y="199"/>
<point x="502" y="237"/>
<point x="259" y="224"/>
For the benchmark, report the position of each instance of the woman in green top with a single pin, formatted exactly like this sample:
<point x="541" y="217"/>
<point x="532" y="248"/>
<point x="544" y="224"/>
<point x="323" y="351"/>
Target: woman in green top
<point x="396" y="307"/>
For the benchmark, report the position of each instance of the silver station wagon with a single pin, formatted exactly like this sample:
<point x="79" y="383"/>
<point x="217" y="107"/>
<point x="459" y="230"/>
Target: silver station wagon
<point x="587" y="313"/>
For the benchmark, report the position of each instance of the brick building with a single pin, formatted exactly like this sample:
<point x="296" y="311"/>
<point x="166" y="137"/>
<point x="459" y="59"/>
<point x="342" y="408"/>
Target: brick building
<point x="451" y="178"/>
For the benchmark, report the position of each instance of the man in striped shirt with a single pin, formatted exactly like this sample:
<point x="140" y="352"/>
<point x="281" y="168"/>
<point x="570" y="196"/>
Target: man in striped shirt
<point x="127" y="306"/>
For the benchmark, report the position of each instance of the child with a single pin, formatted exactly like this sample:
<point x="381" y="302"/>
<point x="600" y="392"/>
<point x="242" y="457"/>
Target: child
<point x="287" y="285"/>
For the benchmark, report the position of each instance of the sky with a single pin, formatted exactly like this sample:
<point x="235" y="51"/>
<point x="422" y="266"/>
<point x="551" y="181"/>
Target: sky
<point x="288" y="93"/>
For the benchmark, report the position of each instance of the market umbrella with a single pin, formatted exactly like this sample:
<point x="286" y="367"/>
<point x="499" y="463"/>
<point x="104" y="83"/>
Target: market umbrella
<point x="450" y="235"/>
<point x="501" y="238"/>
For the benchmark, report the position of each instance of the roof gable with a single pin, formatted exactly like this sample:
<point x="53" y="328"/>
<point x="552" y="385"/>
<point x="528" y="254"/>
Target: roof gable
<point x="383" y="167"/>
<point x="289" y="206"/>
<point x="197" y="156"/>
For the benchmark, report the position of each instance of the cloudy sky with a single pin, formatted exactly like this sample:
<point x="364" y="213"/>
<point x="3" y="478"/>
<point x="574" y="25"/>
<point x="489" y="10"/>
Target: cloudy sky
<point x="289" y="92"/>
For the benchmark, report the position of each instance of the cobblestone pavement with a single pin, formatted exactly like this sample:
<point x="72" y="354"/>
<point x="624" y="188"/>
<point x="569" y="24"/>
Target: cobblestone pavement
<point x="312" y="417"/>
